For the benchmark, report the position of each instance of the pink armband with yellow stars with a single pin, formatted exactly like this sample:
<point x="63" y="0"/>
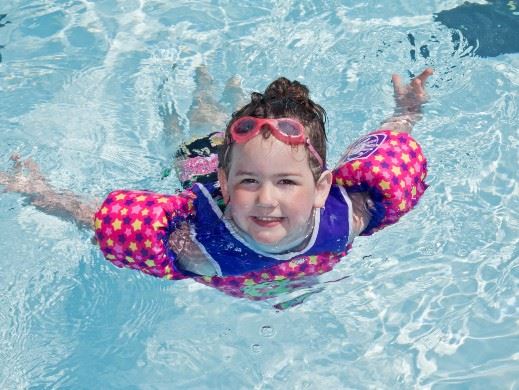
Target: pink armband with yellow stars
<point x="391" y="167"/>
<point x="132" y="229"/>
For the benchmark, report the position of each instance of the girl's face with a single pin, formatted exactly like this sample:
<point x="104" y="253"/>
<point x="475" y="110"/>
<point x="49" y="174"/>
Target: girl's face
<point x="270" y="189"/>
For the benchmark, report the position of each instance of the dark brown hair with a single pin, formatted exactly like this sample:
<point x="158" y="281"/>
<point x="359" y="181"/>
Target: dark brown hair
<point x="283" y="99"/>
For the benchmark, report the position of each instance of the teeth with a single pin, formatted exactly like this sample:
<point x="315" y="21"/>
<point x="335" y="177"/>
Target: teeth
<point x="267" y="218"/>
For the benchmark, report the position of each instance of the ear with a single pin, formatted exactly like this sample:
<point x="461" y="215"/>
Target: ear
<point x="322" y="189"/>
<point x="222" y="179"/>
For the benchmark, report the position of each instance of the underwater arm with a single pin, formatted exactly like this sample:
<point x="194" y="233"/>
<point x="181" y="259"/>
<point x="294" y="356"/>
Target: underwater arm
<point x="409" y="99"/>
<point x="27" y="179"/>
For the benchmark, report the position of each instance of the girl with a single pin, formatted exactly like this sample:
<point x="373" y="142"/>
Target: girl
<point x="275" y="215"/>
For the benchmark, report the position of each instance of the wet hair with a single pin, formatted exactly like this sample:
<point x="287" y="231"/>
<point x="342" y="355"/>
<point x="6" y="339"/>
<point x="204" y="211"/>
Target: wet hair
<point x="282" y="99"/>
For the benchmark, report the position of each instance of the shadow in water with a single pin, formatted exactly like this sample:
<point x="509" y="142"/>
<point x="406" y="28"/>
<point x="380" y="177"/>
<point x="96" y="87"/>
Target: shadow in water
<point x="493" y="27"/>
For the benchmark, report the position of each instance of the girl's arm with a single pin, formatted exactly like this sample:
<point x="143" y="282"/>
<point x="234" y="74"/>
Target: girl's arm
<point x="409" y="99"/>
<point x="27" y="179"/>
<point x="132" y="229"/>
<point x="382" y="184"/>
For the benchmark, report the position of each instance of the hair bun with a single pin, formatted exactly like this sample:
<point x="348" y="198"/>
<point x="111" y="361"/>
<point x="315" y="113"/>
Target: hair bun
<point x="284" y="88"/>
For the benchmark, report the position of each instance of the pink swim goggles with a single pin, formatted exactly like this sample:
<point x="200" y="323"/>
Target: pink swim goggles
<point x="287" y="130"/>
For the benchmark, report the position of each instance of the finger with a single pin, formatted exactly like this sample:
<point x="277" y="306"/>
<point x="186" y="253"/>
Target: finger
<point x="417" y="86"/>
<point x="424" y="75"/>
<point x="398" y="86"/>
<point x="419" y="92"/>
<point x="17" y="166"/>
<point x="15" y="157"/>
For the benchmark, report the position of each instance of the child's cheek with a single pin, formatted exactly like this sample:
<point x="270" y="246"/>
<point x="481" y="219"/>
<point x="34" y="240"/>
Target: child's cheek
<point x="240" y="201"/>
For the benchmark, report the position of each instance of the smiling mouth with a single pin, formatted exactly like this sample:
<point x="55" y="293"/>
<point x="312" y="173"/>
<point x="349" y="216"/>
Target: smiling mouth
<point x="267" y="221"/>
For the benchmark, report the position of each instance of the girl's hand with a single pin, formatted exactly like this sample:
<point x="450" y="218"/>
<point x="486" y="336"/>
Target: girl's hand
<point x="409" y="98"/>
<point x="25" y="178"/>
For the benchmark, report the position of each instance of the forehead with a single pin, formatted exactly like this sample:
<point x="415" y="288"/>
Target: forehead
<point x="269" y="154"/>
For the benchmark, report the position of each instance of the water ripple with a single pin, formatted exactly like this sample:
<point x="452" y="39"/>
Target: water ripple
<point x="430" y="302"/>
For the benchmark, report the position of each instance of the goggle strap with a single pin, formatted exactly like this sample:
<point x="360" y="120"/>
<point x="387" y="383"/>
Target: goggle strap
<point x="314" y="152"/>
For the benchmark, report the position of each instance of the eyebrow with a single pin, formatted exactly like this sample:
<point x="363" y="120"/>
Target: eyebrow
<point x="281" y="174"/>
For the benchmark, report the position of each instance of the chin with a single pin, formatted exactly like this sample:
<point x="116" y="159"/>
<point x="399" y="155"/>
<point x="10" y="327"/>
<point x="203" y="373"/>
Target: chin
<point x="267" y="240"/>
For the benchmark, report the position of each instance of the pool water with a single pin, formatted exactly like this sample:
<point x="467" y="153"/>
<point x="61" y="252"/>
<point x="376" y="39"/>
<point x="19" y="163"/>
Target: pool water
<point x="430" y="302"/>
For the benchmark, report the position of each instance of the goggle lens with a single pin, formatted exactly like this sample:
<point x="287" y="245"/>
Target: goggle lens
<point x="245" y="126"/>
<point x="288" y="128"/>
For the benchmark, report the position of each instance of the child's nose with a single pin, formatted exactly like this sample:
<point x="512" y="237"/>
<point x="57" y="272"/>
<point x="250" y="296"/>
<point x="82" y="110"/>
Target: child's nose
<point x="267" y="196"/>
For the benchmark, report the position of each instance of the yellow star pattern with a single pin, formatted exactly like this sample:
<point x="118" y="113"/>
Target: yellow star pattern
<point x="98" y="223"/>
<point x="117" y="224"/>
<point x="384" y="185"/>
<point x="120" y="197"/>
<point x="133" y="246"/>
<point x="402" y="205"/>
<point x="356" y="165"/>
<point x="137" y="224"/>
<point x="396" y="171"/>
<point x="157" y="225"/>
<point x="405" y="158"/>
<point x="141" y="198"/>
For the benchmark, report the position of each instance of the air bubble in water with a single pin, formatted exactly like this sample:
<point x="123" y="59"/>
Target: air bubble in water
<point x="267" y="331"/>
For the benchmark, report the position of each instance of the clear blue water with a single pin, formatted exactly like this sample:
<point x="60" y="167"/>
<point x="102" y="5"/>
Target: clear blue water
<point x="429" y="303"/>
